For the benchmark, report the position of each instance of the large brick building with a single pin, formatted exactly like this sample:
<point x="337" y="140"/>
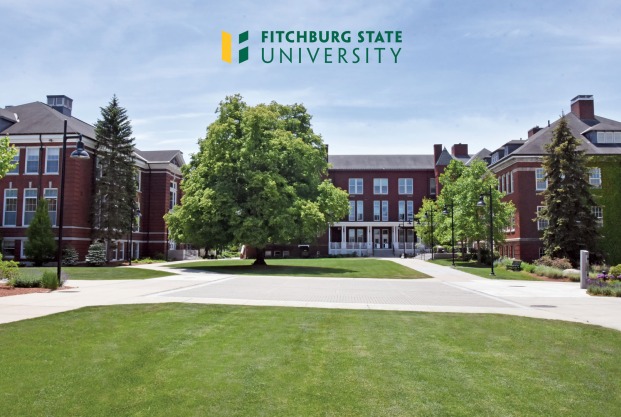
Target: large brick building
<point x="36" y="129"/>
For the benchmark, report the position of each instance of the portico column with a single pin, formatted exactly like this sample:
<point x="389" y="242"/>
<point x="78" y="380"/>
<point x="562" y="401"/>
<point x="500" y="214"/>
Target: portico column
<point x="343" y="239"/>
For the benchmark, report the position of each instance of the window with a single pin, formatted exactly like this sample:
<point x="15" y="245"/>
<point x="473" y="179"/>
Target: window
<point x="540" y="178"/>
<point x="173" y="195"/>
<point x="138" y="215"/>
<point x="401" y="210"/>
<point x="10" y="207"/>
<point x="52" y="156"/>
<point x="30" y="205"/>
<point x="356" y="211"/>
<point x="138" y="181"/>
<point x="608" y="137"/>
<point x="380" y="185"/>
<point x="410" y="211"/>
<point x="117" y="251"/>
<point x="598" y="213"/>
<point x="595" y="177"/>
<point x="51" y="195"/>
<point x="511" y="182"/>
<point x="376" y="211"/>
<point x="541" y="223"/>
<point x="15" y="169"/>
<point x="355" y="185"/>
<point x="384" y="211"/>
<point x="359" y="211"/>
<point x="8" y="249"/>
<point x="32" y="160"/>
<point x="432" y="186"/>
<point x="406" y="186"/>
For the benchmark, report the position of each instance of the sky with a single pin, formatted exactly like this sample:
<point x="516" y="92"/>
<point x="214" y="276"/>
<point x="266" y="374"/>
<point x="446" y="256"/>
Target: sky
<point x="477" y="72"/>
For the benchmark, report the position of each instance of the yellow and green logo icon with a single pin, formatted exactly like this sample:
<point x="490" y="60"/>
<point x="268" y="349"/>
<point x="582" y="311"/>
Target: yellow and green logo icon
<point x="227" y="47"/>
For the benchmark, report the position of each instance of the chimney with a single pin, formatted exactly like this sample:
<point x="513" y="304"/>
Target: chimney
<point x="437" y="150"/>
<point x="533" y="130"/>
<point x="460" y="150"/>
<point x="60" y="103"/>
<point x="583" y="107"/>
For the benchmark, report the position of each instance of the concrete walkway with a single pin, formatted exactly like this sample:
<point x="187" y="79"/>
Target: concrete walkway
<point x="449" y="290"/>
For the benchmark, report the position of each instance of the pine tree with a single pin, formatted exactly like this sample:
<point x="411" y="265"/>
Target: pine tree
<point x="115" y="185"/>
<point x="568" y="199"/>
<point x="40" y="246"/>
<point x="96" y="255"/>
<point x="70" y="256"/>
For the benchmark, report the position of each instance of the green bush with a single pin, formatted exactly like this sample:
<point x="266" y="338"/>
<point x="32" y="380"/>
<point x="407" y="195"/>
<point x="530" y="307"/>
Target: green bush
<point x="49" y="280"/>
<point x="96" y="255"/>
<point x="548" y="271"/>
<point x="26" y="281"/>
<point x="615" y="270"/>
<point x="9" y="270"/>
<point x="70" y="256"/>
<point x="595" y="290"/>
<point x="558" y="263"/>
<point x="530" y="268"/>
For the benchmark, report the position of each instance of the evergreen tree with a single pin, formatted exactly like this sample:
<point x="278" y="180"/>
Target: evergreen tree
<point x="40" y="246"/>
<point x="70" y="256"/>
<point x="96" y="255"/>
<point x="115" y="185"/>
<point x="568" y="199"/>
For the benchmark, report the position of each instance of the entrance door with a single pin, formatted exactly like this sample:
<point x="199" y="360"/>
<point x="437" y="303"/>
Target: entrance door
<point x="381" y="238"/>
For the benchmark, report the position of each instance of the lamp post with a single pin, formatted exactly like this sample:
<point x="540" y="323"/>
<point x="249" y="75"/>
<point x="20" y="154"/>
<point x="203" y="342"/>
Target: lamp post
<point x="430" y="215"/>
<point x="481" y="203"/>
<point x="445" y="212"/>
<point x="79" y="153"/>
<point x="135" y="213"/>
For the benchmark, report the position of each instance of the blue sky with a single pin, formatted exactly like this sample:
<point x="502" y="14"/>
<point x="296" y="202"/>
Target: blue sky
<point x="476" y="72"/>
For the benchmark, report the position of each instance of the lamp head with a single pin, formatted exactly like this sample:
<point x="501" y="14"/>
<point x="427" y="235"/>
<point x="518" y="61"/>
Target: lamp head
<point x="481" y="202"/>
<point x="79" y="152"/>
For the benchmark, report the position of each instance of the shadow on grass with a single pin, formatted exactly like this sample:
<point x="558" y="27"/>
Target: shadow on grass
<point x="272" y="270"/>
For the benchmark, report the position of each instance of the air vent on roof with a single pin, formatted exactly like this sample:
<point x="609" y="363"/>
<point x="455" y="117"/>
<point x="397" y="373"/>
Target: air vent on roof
<point x="60" y="103"/>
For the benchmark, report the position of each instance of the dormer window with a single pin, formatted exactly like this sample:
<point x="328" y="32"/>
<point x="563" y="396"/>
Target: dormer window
<point x="608" y="137"/>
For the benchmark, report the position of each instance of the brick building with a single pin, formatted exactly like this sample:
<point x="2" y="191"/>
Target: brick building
<point x="36" y="129"/>
<point x="517" y="164"/>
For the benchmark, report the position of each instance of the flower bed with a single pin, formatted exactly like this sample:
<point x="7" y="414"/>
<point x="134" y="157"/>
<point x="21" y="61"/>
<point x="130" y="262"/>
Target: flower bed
<point x="605" y="284"/>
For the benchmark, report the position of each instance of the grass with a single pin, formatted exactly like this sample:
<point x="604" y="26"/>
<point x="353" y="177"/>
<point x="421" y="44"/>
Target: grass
<point x="100" y="272"/>
<point x="483" y="270"/>
<point x="191" y="359"/>
<point x="326" y="267"/>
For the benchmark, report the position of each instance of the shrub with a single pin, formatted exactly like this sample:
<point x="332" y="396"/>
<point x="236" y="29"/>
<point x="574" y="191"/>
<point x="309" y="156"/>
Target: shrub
<point x="9" y="270"/>
<point x="548" y="271"/>
<point x="530" y="268"/>
<point x="49" y="280"/>
<point x="70" y="256"/>
<point x="615" y="270"/>
<point x="558" y="263"/>
<point x="96" y="255"/>
<point x="26" y="281"/>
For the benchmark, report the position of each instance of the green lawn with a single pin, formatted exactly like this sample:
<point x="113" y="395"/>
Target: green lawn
<point x="325" y="267"/>
<point x="100" y="272"/>
<point x="482" y="270"/>
<point x="191" y="359"/>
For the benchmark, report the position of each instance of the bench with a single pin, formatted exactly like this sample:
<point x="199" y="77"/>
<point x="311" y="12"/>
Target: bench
<point x="515" y="266"/>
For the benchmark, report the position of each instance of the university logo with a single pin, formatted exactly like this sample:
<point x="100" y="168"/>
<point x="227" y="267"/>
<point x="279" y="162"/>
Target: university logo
<point x="227" y="47"/>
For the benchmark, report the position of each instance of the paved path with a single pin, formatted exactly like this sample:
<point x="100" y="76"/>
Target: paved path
<point x="448" y="291"/>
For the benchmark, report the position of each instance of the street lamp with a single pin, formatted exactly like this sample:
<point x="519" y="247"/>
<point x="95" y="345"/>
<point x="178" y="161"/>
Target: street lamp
<point x="481" y="203"/>
<point x="430" y="215"/>
<point x="445" y="212"/>
<point x="79" y="153"/>
<point x="135" y="213"/>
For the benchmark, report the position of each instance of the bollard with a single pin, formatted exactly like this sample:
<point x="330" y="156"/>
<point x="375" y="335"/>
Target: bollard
<point x="584" y="268"/>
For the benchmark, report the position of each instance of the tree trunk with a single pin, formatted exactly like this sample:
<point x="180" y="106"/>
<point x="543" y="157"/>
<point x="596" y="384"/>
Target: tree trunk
<point x="260" y="261"/>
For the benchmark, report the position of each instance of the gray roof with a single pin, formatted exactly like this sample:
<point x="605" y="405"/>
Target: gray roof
<point x="482" y="154"/>
<point x="535" y="145"/>
<point x="36" y="118"/>
<point x="158" y="156"/>
<point x="445" y="158"/>
<point x="380" y="162"/>
<point x="9" y="115"/>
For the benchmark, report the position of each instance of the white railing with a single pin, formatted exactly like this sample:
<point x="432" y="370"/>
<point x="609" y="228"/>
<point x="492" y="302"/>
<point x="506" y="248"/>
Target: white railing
<point x="406" y="245"/>
<point x="335" y="245"/>
<point x="356" y="245"/>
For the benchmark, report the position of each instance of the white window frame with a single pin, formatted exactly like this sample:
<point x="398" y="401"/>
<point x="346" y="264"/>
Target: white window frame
<point x="359" y="210"/>
<point x="47" y="159"/>
<point x="401" y="210"/>
<point x="173" y="195"/>
<point x="139" y="180"/>
<point x="45" y="192"/>
<point x="15" y="170"/>
<point x="4" y="242"/>
<point x="356" y="186"/>
<point x="384" y="210"/>
<point x="32" y="151"/>
<point x="541" y="182"/>
<point x="380" y="186"/>
<point x="406" y="186"/>
<point x="377" y="210"/>
<point x="4" y="211"/>
<point x="24" y="205"/>
<point x="542" y="224"/>
<point x="598" y="213"/>
<point x="409" y="210"/>
<point x="595" y="177"/>
<point x="432" y="186"/>
<point x="511" y="182"/>
<point x="352" y="211"/>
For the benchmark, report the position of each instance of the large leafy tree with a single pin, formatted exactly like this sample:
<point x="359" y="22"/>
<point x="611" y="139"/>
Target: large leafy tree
<point x="462" y="187"/>
<point x="568" y="200"/>
<point x="258" y="178"/>
<point x="40" y="246"/>
<point x="115" y="184"/>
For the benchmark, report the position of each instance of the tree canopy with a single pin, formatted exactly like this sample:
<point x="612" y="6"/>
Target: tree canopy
<point x="7" y="153"/>
<point x="568" y="200"/>
<point x="259" y="178"/>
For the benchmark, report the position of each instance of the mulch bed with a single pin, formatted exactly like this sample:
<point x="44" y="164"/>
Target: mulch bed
<point x="5" y="290"/>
